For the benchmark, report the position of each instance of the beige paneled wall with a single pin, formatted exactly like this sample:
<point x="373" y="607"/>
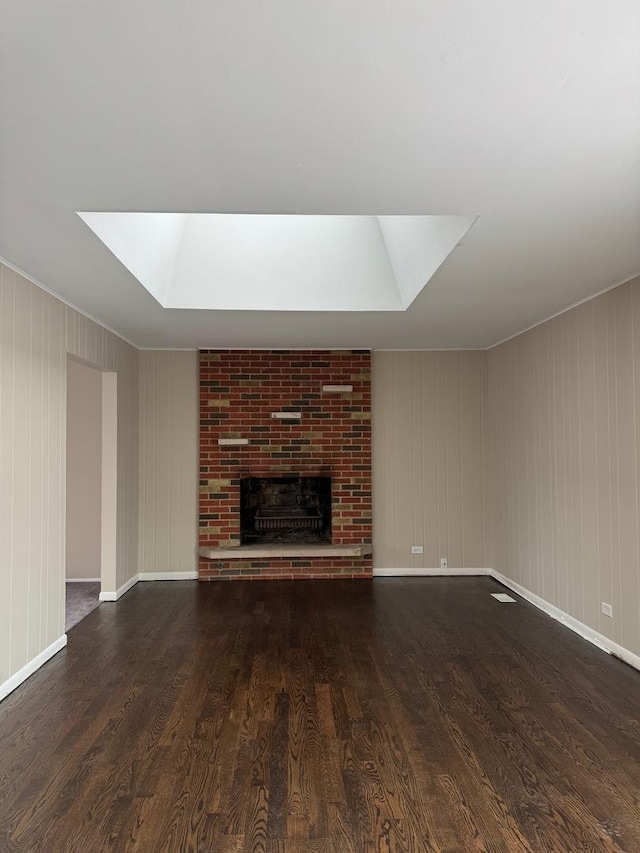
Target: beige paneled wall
<point x="36" y="332"/>
<point x="84" y="471"/>
<point x="427" y="459"/>
<point x="562" y="421"/>
<point x="168" y="461"/>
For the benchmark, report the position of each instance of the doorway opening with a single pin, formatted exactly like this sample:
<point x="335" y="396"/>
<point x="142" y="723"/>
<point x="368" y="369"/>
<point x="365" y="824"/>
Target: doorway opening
<point x="90" y="488"/>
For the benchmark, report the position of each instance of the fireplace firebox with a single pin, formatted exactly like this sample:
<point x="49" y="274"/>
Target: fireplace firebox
<point x="285" y="509"/>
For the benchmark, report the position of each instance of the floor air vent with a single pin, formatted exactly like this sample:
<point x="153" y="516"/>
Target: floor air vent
<point x="503" y="597"/>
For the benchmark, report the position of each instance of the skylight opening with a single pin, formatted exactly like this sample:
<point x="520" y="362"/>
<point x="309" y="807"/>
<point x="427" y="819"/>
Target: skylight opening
<point x="278" y="262"/>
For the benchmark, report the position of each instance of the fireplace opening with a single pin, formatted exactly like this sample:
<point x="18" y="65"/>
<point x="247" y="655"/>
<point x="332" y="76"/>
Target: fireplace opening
<point x="285" y="510"/>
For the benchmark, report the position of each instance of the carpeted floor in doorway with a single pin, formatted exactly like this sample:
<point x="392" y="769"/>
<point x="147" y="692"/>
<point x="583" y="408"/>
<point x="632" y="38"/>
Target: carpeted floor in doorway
<point x="82" y="598"/>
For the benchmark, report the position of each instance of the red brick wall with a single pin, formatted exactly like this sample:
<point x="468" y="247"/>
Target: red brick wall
<point x="238" y="392"/>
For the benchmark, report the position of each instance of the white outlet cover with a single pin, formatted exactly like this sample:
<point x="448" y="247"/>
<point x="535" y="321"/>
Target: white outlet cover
<point x="503" y="597"/>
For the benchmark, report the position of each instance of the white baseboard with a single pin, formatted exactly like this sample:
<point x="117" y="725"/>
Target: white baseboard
<point x="147" y="576"/>
<point x="571" y="622"/>
<point x="556" y="613"/>
<point x="168" y="576"/>
<point x="16" y="680"/>
<point x="106" y="595"/>
<point x="429" y="573"/>
<point x="28" y="669"/>
<point x="82" y="580"/>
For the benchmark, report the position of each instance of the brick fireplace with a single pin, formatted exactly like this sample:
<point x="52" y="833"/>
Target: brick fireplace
<point x="285" y="436"/>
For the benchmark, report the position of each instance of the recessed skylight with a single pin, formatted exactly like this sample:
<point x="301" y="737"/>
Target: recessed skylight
<point x="260" y="262"/>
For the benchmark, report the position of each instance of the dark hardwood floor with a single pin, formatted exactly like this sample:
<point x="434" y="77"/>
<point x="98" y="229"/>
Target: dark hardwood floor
<point x="308" y="716"/>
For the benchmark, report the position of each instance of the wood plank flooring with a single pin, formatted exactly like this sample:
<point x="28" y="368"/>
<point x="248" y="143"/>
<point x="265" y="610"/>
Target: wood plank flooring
<point x="322" y="717"/>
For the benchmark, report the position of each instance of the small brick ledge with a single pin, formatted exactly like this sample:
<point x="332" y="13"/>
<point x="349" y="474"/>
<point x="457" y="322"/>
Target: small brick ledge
<point x="269" y="552"/>
<point x="280" y="568"/>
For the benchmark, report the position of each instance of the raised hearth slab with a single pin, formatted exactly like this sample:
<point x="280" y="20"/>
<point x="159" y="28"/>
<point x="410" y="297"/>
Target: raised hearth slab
<point x="259" y="552"/>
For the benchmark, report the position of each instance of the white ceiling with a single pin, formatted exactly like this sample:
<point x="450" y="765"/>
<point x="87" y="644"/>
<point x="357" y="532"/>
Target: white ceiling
<point x="524" y="114"/>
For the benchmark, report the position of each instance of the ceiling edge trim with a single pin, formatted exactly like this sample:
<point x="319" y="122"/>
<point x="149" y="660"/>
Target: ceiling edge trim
<point x="282" y="347"/>
<point x="562" y="311"/>
<point x="66" y="301"/>
<point x="122" y="337"/>
<point x="429" y="349"/>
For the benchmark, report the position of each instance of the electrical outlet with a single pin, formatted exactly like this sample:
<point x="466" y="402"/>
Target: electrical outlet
<point x="607" y="609"/>
<point x="417" y="549"/>
<point x="443" y="563"/>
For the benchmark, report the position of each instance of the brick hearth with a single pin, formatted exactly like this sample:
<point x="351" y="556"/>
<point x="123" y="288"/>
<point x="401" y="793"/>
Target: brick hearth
<point x="239" y="391"/>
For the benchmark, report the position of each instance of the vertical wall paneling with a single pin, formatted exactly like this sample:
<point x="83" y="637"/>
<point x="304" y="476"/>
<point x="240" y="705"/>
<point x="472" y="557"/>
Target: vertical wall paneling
<point x="168" y="539"/>
<point x="36" y="333"/>
<point x="7" y="358"/>
<point x="471" y="508"/>
<point x="84" y="471"/>
<point x="561" y="420"/>
<point x="109" y="482"/>
<point x="427" y="459"/>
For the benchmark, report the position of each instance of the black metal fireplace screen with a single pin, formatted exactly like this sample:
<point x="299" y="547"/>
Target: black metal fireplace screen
<point x="285" y="509"/>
